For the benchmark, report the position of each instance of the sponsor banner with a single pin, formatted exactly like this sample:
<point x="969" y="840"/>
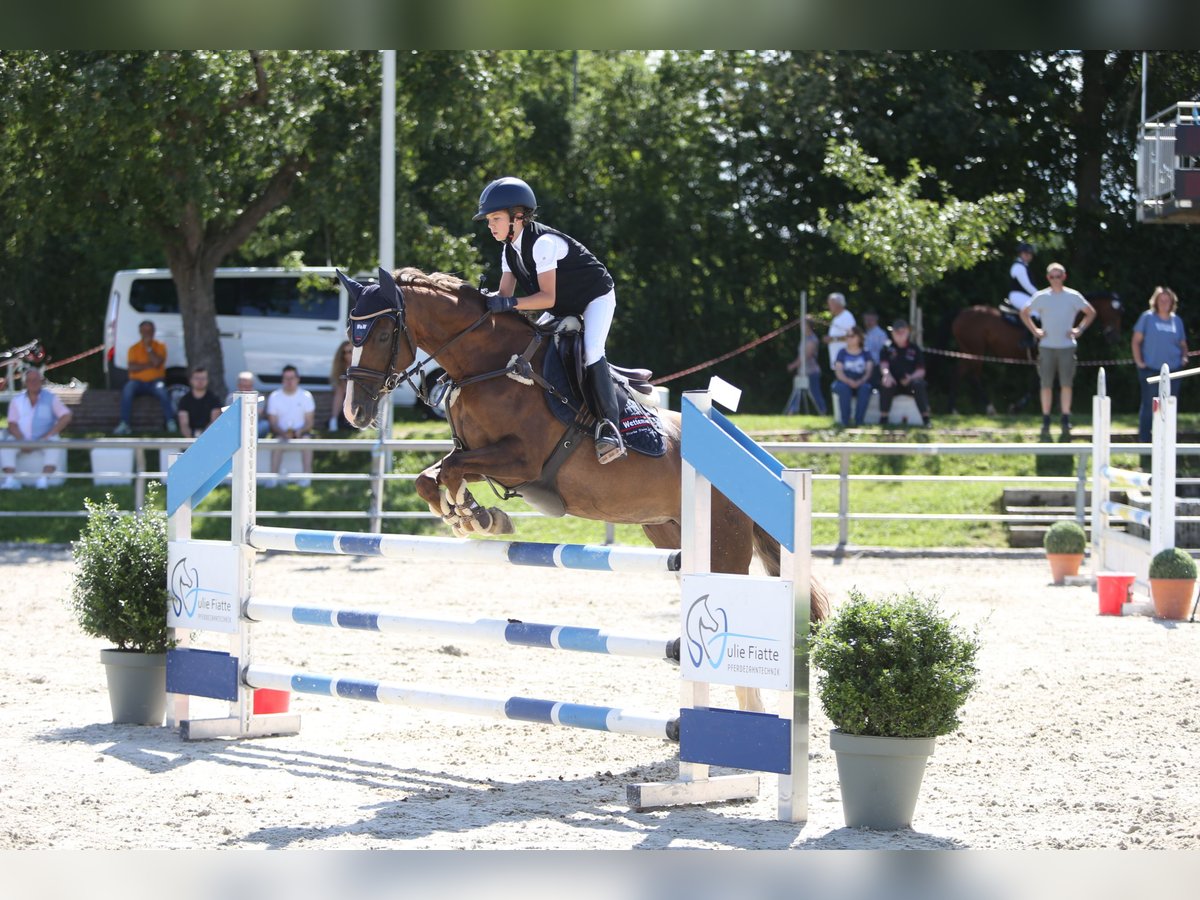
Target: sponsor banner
<point x="737" y="630"/>
<point x="203" y="583"/>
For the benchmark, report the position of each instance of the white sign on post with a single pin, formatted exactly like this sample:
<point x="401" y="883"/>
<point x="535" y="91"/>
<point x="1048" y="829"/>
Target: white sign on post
<point x="203" y="584"/>
<point x="737" y="630"/>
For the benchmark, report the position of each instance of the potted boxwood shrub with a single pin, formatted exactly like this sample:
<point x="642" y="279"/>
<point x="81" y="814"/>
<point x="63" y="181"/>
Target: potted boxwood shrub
<point x="1172" y="583"/>
<point x="894" y="674"/>
<point x="119" y="593"/>
<point x="1065" y="542"/>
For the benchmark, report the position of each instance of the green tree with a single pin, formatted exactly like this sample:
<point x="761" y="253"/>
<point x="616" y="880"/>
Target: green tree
<point x="915" y="240"/>
<point x="198" y="149"/>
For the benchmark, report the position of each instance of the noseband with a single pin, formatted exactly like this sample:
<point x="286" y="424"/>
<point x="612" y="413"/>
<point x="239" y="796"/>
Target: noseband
<point x="373" y="381"/>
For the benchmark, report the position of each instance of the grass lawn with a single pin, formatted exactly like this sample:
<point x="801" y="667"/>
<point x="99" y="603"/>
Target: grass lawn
<point x="892" y="497"/>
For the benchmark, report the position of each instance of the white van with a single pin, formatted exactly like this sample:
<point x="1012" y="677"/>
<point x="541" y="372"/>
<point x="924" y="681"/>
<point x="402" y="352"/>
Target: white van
<point x="265" y="317"/>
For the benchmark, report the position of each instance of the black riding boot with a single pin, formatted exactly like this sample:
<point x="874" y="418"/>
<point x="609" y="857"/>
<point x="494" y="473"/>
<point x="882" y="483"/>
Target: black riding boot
<point x="609" y="445"/>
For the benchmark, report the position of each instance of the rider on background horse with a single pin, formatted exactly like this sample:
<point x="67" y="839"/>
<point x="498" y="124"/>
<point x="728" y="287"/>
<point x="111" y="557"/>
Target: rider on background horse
<point x="558" y="274"/>
<point x="1020" y="288"/>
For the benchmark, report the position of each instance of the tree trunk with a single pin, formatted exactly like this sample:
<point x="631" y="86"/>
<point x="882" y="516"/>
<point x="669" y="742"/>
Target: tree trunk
<point x="1101" y="76"/>
<point x="195" y="249"/>
<point x="194" y="280"/>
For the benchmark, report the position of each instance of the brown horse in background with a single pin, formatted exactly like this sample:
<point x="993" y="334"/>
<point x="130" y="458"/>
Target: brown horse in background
<point x="505" y="432"/>
<point x="983" y="331"/>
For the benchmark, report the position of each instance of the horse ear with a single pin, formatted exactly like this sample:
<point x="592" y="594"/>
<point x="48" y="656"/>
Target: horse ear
<point x="353" y="288"/>
<point x="387" y="284"/>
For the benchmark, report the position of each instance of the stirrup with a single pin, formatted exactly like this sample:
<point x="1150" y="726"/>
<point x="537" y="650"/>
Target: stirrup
<point x="609" y="444"/>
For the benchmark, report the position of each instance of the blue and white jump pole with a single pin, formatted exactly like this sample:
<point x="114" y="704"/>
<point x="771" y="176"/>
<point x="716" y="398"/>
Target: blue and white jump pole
<point x="211" y="586"/>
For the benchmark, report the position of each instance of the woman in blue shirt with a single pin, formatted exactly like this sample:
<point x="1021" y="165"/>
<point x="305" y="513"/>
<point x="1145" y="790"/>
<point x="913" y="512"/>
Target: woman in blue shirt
<point x="852" y="371"/>
<point x="1158" y="338"/>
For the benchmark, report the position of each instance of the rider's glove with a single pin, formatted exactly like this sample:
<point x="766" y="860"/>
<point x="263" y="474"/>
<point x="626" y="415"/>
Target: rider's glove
<point x="499" y="303"/>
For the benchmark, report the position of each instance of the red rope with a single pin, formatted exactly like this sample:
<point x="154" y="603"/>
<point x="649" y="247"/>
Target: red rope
<point x="1033" y="362"/>
<point x="71" y="359"/>
<point x="732" y="353"/>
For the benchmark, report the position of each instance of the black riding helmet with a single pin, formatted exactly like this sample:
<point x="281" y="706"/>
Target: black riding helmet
<point x="504" y="193"/>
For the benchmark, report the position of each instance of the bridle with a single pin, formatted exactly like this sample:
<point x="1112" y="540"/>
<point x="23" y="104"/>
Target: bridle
<point x="377" y="383"/>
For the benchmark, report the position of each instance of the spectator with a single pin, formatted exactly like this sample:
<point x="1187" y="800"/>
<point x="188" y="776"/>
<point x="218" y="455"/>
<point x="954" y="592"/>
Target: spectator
<point x="809" y="375"/>
<point x="1158" y="339"/>
<point x="245" y="384"/>
<point x="337" y="381"/>
<point x="1057" y="306"/>
<point x="34" y="414"/>
<point x="147" y="369"/>
<point x="291" y="411"/>
<point x="902" y="372"/>
<point x="874" y="340"/>
<point x="853" y="373"/>
<point x="843" y="320"/>
<point x="199" y="407"/>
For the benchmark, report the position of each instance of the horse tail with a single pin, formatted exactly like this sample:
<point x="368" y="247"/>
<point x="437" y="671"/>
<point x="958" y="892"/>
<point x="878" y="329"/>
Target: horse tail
<point x="768" y="554"/>
<point x="767" y="549"/>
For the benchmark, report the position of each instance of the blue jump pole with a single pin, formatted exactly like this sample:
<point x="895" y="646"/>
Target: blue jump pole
<point x="524" y="709"/>
<point x="498" y="631"/>
<point x="592" y="557"/>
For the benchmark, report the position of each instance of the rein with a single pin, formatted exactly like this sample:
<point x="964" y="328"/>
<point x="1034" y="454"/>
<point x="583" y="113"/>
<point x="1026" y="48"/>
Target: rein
<point x="391" y="379"/>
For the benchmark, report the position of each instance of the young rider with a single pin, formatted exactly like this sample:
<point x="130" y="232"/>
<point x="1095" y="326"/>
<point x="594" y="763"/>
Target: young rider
<point x="558" y="274"/>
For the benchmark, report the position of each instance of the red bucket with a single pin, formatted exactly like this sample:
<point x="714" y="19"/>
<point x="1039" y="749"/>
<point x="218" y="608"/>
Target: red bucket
<point x="267" y="700"/>
<point x="1113" y="588"/>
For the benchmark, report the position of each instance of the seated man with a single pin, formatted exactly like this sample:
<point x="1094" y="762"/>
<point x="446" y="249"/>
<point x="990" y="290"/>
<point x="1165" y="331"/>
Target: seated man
<point x="199" y="407"/>
<point x="245" y="384"/>
<point x="34" y="415"/>
<point x="291" y="411"/>
<point x="147" y="369"/>
<point x="903" y="372"/>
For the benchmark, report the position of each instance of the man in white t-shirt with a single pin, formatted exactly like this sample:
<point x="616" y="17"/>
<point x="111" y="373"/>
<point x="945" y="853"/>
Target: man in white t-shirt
<point x="839" y="327"/>
<point x="291" y="411"/>
<point x="34" y="415"/>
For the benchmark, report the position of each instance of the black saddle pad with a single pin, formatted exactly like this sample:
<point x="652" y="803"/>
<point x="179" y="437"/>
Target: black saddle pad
<point x="640" y="427"/>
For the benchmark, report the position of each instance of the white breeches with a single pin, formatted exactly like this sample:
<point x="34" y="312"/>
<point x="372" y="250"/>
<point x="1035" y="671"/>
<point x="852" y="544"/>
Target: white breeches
<point x="597" y="319"/>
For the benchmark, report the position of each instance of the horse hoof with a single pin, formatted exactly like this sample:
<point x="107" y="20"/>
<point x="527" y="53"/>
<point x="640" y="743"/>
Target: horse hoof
<point x="501" y="523"/>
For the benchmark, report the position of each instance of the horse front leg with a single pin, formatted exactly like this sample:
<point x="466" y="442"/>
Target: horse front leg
<point x="458" y="508"/>
<point x="444" y="486"/>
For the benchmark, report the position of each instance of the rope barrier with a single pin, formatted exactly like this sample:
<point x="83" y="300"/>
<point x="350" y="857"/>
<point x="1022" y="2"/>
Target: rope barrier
<point x="732" y="353"/>
<point x="71" y="359"/>
<point x="956" y="354"/>
<point x="1033" y="362"/>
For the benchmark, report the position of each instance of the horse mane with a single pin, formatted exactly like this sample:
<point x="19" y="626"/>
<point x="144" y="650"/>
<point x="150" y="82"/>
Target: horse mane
<point x="441" y="281"/>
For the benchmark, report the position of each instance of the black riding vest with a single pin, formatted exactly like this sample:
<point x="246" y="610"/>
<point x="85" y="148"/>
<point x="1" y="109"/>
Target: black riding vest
<point x="1013" y="284"/>
<point x="581" y="278"/>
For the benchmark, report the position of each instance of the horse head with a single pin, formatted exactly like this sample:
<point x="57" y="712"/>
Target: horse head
<point x="375" y="327"/>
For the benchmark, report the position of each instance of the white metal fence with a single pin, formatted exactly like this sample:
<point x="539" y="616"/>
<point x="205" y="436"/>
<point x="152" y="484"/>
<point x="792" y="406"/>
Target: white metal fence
<point x="148" y="465"/>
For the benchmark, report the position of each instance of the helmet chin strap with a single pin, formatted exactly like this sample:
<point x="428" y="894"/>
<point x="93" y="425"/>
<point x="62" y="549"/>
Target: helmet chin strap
<point x="512" y="222"/>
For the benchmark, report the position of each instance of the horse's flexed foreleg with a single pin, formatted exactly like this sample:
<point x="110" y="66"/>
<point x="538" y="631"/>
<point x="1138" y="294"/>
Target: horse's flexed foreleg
<point x="444" y="487"/>
<point x="465" y="516"/>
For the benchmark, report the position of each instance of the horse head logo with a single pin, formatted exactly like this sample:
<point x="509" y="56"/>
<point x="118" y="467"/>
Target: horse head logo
<point x="185" y="587"/>
<point x="702" y="627"/>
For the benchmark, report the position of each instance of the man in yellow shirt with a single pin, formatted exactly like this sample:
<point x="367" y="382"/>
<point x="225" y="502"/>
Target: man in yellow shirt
<point x="147" y="369"/>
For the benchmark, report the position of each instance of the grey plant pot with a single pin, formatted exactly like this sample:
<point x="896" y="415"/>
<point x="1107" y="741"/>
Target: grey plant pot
<point x="880" y="778"/>
<point x="137" y="686"/>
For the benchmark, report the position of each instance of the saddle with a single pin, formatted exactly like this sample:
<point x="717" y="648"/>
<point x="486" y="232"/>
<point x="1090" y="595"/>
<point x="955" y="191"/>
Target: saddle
<point x="561" y="381"/>
<point x="1011" y="315"/>
<point x="563" y="370"/>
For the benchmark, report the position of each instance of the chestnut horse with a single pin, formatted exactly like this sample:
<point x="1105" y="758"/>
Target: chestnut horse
<point x="983" y="331"/>
<point x="504" y="431"/>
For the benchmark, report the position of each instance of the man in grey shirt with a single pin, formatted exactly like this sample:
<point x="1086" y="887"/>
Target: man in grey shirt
<point x="1057" y="306"/>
